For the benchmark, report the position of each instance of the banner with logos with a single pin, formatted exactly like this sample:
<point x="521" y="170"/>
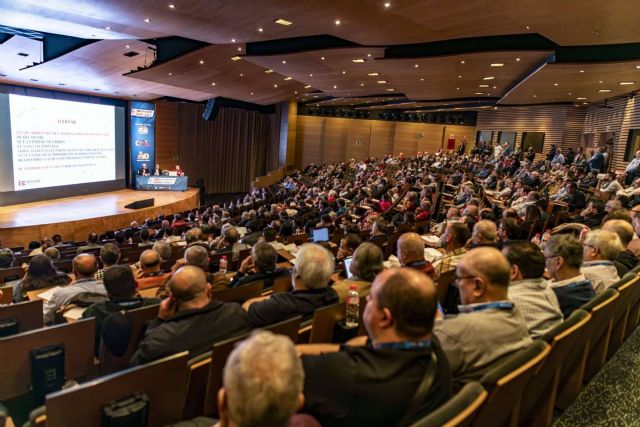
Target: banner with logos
<point x="142" y="135"/>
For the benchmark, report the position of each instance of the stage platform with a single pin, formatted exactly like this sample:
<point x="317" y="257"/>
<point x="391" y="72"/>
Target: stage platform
<point x="75" y="217"/>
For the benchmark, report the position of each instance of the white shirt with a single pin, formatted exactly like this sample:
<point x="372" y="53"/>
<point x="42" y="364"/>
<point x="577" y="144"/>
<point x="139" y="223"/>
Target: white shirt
<point x="602" y="274"/>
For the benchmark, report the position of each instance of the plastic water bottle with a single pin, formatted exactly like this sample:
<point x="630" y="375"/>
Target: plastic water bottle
<point x="223" y="264"/>
<point x="353" y="307"/>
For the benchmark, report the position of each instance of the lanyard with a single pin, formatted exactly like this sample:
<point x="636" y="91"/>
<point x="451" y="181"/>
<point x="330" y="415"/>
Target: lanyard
<point x="500" y="305"/>
<point x="405" y="345"/>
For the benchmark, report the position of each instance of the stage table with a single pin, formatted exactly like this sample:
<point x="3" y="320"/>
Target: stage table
<point x="162" y="183"/>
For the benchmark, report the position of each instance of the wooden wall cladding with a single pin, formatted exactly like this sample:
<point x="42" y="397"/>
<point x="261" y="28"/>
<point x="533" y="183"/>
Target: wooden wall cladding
<point x="328" y="139"/>
<point x="167" y="138"/>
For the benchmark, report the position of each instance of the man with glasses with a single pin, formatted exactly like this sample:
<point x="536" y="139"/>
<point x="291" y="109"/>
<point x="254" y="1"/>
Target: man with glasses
<point x="599" y="249"/>
<point x="489" y="326"/>
<point x="563" y="258"/>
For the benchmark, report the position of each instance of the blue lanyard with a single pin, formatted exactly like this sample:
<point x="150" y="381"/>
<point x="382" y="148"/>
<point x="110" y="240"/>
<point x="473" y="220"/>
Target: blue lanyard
<point x="599" y="263"/>
<point x="579" y="284"/>
<point x="500" y="305"/>
<point x="405" y="345"/>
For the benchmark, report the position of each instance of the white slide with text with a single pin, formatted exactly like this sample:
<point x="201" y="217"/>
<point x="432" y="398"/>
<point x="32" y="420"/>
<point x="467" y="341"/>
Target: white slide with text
<point x="57" y="142"/>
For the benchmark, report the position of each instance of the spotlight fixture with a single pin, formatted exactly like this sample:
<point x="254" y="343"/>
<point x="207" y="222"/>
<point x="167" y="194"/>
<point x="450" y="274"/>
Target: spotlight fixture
<point x="337" y="22"/>
<point x="497" y="64"/>
<point x="147" y="20"/>
<point x="236" y="58"/>
<point x="269" y="71"/>
<point x="284" y="22"/>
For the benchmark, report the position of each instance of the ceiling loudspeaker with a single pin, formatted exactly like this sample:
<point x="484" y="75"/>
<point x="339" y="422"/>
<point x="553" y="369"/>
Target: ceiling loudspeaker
<point x="211" y="109"/>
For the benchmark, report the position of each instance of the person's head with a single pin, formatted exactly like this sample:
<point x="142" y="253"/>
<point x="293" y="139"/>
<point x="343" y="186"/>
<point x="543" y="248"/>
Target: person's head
<point x="57" y="239"/>
<point x="144" y="235"/>
<point x="119" y="282"/>
<point x="264" y="257"/>
<point x="92" y="238"/>
<point x="563" y="256"/>
<point x="109" y="254"/>
<point x="453" y="212"/>
<point x="367" y="261"/>
<point x="188" y="288"/>
<point x="163" y="248"/>
<point x="230" y="235"/>
<point x="401" y="306"/>
<point x="410" y="248"/>
<point x="622" y="228"/>
<point x="482" y="275"/>
<point x="85" y="266"/>
<point x="455" y="236"/>
<point x="41" y="267"/>
<point x="53" y="253"/>
<point x="348" y="244"/>
<point x="197" y="256"/>
<point x="314" y="267"/>
<point x="150" y="261"/>
<point x="270" y="234"/>
<point x="508" y="229"/>
<point x="601" y="245"/>
<point x="262" y="383"/>
<point x="525" y="258"/>
<point x="193" y="235"/>
<point x="6" y="258"/>
<point x="484" y="232"/>
<point x="120" y="236"/>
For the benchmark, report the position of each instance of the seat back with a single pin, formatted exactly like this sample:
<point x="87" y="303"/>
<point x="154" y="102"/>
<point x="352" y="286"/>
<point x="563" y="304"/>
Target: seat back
<point x="7" y="295"/>
<point x="196" y="385"/>
<point x="138" y="317"/>
<point x="78" y="341"/>
<point x="282" y="283"/>
<point x="602" y="309"/>
<point x="163" y="381"/>
<point x="298" y="239"/>
<point x="28" y="314"/>
<point x="627" y="286"/>
<point x="219" y="354"/>
<point x="505" y="384"/>
<point x="324" y="321"/>
<point x="9" y="274"/>
<point x="64" y="266"/>
<point x="539" y="396"/>
<point x="241" y="293"/>
<point x="634" y="311"/>
<point x="458" y="411"/>
<point x="287" y="327"/>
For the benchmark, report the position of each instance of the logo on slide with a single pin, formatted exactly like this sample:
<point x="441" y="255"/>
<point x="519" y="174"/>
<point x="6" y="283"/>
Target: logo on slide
<point x="139" y="112"/>
<point x="143" y="156"/>
<point x="143" y="130"/>
<point x="142" y="143"/>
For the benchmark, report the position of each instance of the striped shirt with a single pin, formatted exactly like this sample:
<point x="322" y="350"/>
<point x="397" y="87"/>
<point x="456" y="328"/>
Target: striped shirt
<point x="538" y="304"/>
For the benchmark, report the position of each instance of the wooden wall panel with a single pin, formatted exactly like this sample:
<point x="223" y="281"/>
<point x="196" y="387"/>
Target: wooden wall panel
<point x="358" y="139"/>
<point x="335" y="140"/>
<point x="309" y="140"/>
<point x="292" y="127"/>
<point x="406" y="139"/>
<point x="382" y="134"/>
<point x="460" y="132"/>
<point x="429" y="137"/>
<point x="167" y="137"/>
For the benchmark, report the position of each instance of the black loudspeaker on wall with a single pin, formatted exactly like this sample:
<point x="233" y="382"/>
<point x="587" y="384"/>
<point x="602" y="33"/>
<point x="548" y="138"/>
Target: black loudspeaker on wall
<point x="211" y="109"/>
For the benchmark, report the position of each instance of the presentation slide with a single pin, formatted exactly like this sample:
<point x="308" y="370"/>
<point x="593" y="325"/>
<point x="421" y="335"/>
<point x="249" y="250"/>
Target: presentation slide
<point x="56" y="143"/>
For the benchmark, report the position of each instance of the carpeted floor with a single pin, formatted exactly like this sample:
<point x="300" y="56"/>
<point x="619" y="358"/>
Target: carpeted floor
<point x="612" y="398"/>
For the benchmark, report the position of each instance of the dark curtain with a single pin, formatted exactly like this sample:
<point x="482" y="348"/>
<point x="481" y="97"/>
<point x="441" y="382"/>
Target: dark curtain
<point x="230" y="151"/>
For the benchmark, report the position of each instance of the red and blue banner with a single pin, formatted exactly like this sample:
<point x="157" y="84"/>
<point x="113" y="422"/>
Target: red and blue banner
<point x="142" y="135"/>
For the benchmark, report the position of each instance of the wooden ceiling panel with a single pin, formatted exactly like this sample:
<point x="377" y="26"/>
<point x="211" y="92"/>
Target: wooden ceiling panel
<point x="571" y="82"/>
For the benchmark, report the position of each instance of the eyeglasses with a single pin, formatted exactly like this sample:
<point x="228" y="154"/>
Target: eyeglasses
<point x="457" y="279"/>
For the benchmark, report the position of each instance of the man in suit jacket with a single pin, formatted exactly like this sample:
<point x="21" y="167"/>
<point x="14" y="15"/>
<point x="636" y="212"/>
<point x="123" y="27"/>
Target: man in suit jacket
<point x="597" y="161"/>
<point x="144" y="170"/>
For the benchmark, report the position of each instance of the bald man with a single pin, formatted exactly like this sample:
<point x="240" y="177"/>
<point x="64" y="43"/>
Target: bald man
<point x="489" y="326"/>
<point x="150" y="272"/>
<point x="626" y="260"/>
<point x="84" y="286"/>
<point x="372" y="385"/>
<point x="484" y="233"/>
<point x="411" y="253"/>
<point x="189" y="319"/>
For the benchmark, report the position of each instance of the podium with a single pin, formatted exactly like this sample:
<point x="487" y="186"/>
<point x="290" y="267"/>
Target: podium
<point x="162" y="183"/>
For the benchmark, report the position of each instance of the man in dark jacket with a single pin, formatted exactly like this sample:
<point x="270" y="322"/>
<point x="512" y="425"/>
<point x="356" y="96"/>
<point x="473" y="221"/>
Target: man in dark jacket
<point x="260" y="265"/>
<point x="189" y="319"/>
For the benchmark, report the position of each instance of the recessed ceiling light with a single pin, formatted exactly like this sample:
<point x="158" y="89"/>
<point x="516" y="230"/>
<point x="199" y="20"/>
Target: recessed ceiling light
<point x="239" y="49"/>
<point x="495" y="87"/>
<point x="382" y="82"/>
<point x="638" y="67"/>
<point x="359" y="60"/>
<point x="457" y="88"/>
<point x="373" y="74"/>
<point x="236" y="58"/>
<point x="582" y="71"/>
<point x="295" y="92"/>
<point x="284" y="62"/>
<point x="337" y="22"/>
<point x="269" y="71"/>
<point x="283" y="22"/>
<point x="275" y="85"/>
<point x="585" y="103"/>
<point x="172" y="6"/>
<point x="527" y="27"/>
<point x="535" y="96"/>
<point x="241" y="74"/>
<point x="107" y="28"/>
<point x="288" y="78"/>
<point x="361" y="84"/>
<point x="322" y="58"/>
<point x="568" y="93"/>
<point x="580" y="98"/>
<point x="387" y="5"/>
<point x="307" y="86"/>
<point x="310" y="75"/>
<point x="604" y="90"/>
<point x="518" y="59"/>
<point x="488" y="78"/>
<point x="600" y="81"/>
<point x="369" y="56"/>
<point x="147" y="20"/>
<point x="201" y="62"/>
<point x="479" y="93"/>
<point x="422" y="79"/>
<point x="344" y="72"/>
<point x="483" y="85"/>
<point x="627" y="83"/>
<point x="251" y="93"/>
<point x="462" y="62"/>
<point x="260" y="29"/>
<point x="233" y="40"/>
<point x="555" y="84"/>
<point x="497" y="64"/>
<point x="171" y="74"/>
<point x="127" y="46"/>
<point x="213" y="84"/>
<point x="335" y="86"/>
<point x="390" y="89"/>
<point x="415" y="65"/>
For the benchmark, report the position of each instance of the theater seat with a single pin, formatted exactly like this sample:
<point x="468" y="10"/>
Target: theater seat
<point x="457" y="411"/>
